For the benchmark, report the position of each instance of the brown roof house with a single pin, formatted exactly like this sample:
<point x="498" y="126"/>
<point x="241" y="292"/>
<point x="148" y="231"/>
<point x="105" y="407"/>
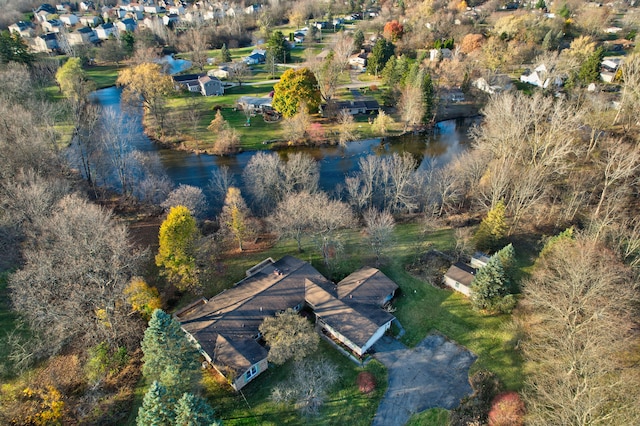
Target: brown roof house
<point x="460" y="276"/>
<point x="225" y="327"/>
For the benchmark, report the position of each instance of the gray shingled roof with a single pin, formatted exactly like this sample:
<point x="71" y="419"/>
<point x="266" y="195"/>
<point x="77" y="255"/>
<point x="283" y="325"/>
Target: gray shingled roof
<point x="462" y="273"/>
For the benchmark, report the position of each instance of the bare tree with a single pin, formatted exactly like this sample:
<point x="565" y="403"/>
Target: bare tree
<point x="189" y="196"/>
<point x="296" y="127"/>
<point x="411" y="105"/>
<point x="379" y="230"/>
<point x="630" y="92"/>
<point x="308" y="386"/>
<point x="579" y="326"/>
<point x="239" y="71"/>
<point x="117" y="136"/>
<point x="219" y="183"/>
<point x="72" y="282"/>
<point x="195" y="41"/>
<point x="294" y="216"/>
<point x="346" y="131"/>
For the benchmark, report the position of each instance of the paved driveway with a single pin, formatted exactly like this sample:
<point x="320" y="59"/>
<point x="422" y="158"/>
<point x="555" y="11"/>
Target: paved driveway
<point x="433" y="374"/>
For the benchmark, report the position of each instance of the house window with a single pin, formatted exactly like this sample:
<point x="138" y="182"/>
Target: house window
<point x="457" y="285"/>
<point x="252" y="372"/>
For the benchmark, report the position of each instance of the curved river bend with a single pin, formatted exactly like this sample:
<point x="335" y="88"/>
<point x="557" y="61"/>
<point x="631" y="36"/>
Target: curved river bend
<point x="336" y="162"/>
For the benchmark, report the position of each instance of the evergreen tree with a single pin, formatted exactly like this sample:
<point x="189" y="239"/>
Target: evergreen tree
<point x="194" y="411"/>
<point x="428" y="97"/>
<point x="507" y="256"/>
<point x="389" y="76"/>
<point x="225" y="55"/>
<point x="402" y="68"/>
<point x="492" y="229"/>
<point x="381" y="53"/>
<point x="178" y="234"/>
<point x="590" y="69"/>
<point x="14" y="49"/>
<point x="490" y="285"/>
<point x="279" y="47"/>
<point x="358" y="40"/>
<point x="156" y="407"/>
<point x="168" y="352"/>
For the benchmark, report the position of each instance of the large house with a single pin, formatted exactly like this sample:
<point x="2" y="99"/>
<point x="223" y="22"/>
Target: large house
<point x="226" y="327"/>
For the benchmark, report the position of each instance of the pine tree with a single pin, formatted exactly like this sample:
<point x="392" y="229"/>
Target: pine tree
<point x="490" y="285"/>
<point x="225" y="55"/>
<point x="168" y="352"/>
<point x="381" y="53"/>
<point x="178" y="234"/>
<point x="156" y="407"/>
<point x="428" y="97"/>
<point x="194" y="411"/>
<point x="492" y="229"/>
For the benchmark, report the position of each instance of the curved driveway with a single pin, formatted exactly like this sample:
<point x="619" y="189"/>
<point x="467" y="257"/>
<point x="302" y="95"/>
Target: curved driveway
<point x="433" y="374"/>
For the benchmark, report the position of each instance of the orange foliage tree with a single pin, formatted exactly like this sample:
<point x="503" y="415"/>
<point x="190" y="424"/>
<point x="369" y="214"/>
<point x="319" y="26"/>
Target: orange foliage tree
<point x="393" y="30"/>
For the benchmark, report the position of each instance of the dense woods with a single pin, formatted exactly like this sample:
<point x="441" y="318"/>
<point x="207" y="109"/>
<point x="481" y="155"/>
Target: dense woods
<point x="549" y="190"/>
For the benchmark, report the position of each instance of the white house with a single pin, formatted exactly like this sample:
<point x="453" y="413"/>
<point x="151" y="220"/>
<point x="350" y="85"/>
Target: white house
<point x="459" y="277"/>
<point x="126" y="25"/>
<point x="104" y="31"/>
<point x="90" y="20"/>
<point x="23" y="28"/>
<point x="540" y="77"/>
<point x="52" y="25"/>
<point x="69" y="19"/>
<point x="437" y="54"/>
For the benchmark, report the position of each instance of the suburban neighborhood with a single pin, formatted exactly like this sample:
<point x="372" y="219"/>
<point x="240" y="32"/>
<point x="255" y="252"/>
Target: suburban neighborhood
<point x="370" y="212"/>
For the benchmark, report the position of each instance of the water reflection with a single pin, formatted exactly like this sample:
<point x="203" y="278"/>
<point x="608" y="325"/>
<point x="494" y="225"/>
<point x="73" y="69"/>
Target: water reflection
<point x="335" y="162"/>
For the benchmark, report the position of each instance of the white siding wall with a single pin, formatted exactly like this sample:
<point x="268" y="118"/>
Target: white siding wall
<point x="457" y="286"/>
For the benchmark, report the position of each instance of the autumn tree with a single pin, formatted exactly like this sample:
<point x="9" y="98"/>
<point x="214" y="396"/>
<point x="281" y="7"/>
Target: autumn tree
<point x="580" y="326"/>
<point x="329" y="70"/>
<point x="73" y="81"/>
<point x="289" y="336"/>
<point x="393" y="30"/>
<point x="147" y="84"/>
<point x="169" y="357"/>
<point x="178" y="234"/>
<point x="346" y="131"/>
<point x="471" y="42"/>
<point x="379" y="226"/>
<point x="296" y="87"/>
<point x="142" y="297"/>
<point x="492" y="230"/>
<point x="234" y="218"/>
<point x="296" y="127"/>
<point x="382" y="123"/>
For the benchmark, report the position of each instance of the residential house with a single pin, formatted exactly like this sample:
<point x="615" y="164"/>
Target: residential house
<point x="226" y="327"/>
<point x="354" y="107"/>
<point x="69" y="19"/>
<point x="126" y="25"/>
<point x="45" y="43"/>
<point x="42" y="16"/>
<point x="45" y="7"/>
<point x="211" y="86"/>
<point x="493" y="84"/>
<point x="254" y="104"/>
<point x="479" y="259"/>
<point x="23" y="28"/>
<point x="170" y="20"/>
<point x="177" y="10"/>
<point x="90" y="20"/>
<point x="439" y="54"/>
<point x="153" y="9"/>
<point x="358" y="61"/>
<point x="459" y="277"/>
<point x="52" y="25"/>
<point x="82" y="35"/>
<point x="222" y="72"/>
<point x="104" y="31"/>
<point x="86" y="5"/>
<point x="452" y="95"/>
<point x="257" y="57"/>
<point x="541" y="77"/>
<point x="188" y="81"/>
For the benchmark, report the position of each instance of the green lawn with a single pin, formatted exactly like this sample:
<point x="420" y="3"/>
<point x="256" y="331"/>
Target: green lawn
<point x="103" y="75"/>
<point x="9" y="323"/>
<point x="345" y="404"/>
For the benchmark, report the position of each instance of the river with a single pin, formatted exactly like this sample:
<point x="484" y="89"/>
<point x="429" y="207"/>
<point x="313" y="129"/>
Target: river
<point x="336" y="162"/>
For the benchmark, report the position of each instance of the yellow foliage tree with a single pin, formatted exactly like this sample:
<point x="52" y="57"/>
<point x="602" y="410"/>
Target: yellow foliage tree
<point x="234" y="216"/>
<point x="73" y="81"/>
<point x="143" y="298"/>
<point x="178" y="234"/>
<point x="147" y="84"/>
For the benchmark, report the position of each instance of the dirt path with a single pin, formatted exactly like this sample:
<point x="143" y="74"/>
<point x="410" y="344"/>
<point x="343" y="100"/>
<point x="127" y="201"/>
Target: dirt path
<point x="433" y="374"/>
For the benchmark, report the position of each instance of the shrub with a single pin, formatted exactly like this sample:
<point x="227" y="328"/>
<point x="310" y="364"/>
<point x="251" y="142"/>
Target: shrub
<point x="507" y="409"/>
<point x="366" y="382"/>
<point x="373" y="88"/>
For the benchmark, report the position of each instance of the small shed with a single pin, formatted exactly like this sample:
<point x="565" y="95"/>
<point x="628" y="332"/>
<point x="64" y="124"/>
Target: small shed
<point x="459" y="277"/>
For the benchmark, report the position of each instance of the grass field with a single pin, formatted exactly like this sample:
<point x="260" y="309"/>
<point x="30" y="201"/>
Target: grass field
<point x="345" y="404"/>
<point x="104" y="75"/>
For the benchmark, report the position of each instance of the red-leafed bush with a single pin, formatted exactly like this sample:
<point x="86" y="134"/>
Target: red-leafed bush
<point x="373" y="88"/>
<point x="393" y="30"/>
<point x="366" y="382"/>
<point x="507" y="409"/>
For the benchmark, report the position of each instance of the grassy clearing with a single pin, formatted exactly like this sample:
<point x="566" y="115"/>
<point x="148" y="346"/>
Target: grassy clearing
<point x="345" y="404"/>
<point x="433" y="417"/>
<point x="104" y="75"/>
